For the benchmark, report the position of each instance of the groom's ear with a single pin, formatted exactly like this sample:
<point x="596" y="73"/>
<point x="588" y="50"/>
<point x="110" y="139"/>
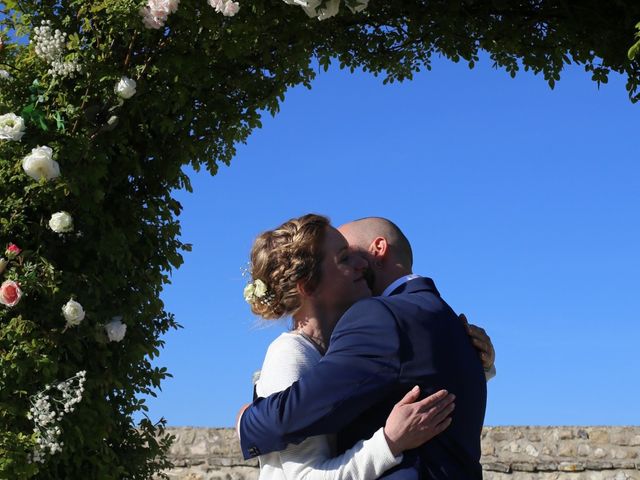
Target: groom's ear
<point x="379" y="248"/>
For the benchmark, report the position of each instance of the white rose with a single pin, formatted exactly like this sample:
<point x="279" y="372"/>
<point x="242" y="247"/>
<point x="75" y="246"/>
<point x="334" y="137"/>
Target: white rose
<point x="248" y="292"/>
<point x="40" y="164"/>
<point x="149" y="20"/>
<point x="73" y="313"/>
<point x="260" y="288"/>
<point x="218" y="5"/>
<point x="230" y="8"/>
<point x="172" y="5"/>
<point x="126" y="87"/>
<point x="362" y="4"/>
<point x="61" y="222"/>
<point x="5" y="75"/>
<point x="331" y="9"/>
<point x="11" y="127"/>
<point x="115" y="329"/>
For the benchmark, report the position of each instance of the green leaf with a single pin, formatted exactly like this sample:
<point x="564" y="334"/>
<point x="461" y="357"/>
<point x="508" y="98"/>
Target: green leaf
<point x="59" y="122"/>
<point x="96" y="8"/>
<point x="633" y="51"/>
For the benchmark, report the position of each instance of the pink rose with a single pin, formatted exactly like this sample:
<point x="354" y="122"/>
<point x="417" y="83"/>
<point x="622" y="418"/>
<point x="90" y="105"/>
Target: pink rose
<point x="12" y="250"/>
<point x="10" y="293"/>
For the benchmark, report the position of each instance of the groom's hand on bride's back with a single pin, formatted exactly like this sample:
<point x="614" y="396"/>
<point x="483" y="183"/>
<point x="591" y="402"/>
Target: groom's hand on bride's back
<point x="412" y="423"/>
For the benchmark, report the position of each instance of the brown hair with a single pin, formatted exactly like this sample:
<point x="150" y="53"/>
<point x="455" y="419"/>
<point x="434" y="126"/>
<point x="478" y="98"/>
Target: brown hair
<point x="284" y="256"/>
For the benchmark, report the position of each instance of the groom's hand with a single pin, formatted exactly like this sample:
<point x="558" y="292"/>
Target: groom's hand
<point x="481" y="341"/>
<point x="412" y="423"/>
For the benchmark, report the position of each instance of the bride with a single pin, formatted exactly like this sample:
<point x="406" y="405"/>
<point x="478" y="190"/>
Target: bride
<point x="304" y="269"/>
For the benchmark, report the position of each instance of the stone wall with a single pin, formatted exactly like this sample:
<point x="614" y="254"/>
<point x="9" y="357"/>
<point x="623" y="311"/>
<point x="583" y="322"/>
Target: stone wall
<point x="508" y="453"/>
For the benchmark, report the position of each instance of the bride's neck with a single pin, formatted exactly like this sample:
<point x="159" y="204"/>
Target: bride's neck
<point x="317" y="327"/>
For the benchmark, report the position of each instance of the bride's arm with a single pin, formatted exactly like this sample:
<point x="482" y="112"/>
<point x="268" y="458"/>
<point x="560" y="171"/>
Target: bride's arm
<point x="311" y="460"/>
<point x="409" y="425"/>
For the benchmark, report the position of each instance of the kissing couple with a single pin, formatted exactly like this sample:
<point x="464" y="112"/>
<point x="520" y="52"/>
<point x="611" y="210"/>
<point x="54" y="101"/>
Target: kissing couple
<point x="378" y="377"/>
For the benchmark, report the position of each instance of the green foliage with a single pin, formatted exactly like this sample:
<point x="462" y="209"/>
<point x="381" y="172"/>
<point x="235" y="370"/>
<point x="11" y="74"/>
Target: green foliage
<point x="202" y="83"/>
<point x="635" y="48"/>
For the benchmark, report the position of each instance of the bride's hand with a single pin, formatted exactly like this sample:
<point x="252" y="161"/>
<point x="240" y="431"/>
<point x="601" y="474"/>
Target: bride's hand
<point x="412" y="423"/>
<point x="481" y="341"/>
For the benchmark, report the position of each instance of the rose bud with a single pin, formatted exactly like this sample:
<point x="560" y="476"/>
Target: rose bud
<point x="12" y="251"/>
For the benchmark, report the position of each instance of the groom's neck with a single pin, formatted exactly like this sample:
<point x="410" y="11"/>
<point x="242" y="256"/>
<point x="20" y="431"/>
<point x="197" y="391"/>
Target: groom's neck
<point x="387" y="276"/>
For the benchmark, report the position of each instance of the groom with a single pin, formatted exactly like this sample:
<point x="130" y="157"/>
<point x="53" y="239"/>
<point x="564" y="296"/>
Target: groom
<point x="380" y="349"/>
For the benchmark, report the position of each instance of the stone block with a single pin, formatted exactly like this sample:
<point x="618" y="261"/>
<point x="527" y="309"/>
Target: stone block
<point x="512" y="447"/>
<point x="547" y="467"/>
<point x="188" y="436"/>
<point x="571" y="467"/>
<point x="599" y="435"/>
<point x="500" y="436"/>
<point x="497" y="467"/>
<point x="566" y="449"/>
<point x="622" y="476"/>
<point x="618" y="453"/>
<point x="594" y="465"/>
<point x="531" y="451"/>
<point x="193" y="476"/>
<point x="487" y="449"/>
<point x="564" y="434"/>
<point x="620" y="437"/>
<point x="523" y="467"/>
<point x="533" y="436"/>
<point x="199" y="448"/>
<point x="583" y="450"/>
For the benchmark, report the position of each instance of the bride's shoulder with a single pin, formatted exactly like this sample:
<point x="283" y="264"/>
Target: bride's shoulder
<point x="288" y="343"/>
<point x="286" y="359"/>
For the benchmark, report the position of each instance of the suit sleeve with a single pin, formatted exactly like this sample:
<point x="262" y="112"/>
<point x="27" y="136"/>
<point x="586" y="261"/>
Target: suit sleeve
<point x="362" y="361"/>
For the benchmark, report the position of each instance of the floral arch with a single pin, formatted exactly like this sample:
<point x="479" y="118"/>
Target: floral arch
<point x="102" y="105"/>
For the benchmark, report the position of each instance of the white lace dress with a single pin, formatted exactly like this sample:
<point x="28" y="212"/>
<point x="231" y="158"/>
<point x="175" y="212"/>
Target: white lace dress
<point x="289" y="356"/>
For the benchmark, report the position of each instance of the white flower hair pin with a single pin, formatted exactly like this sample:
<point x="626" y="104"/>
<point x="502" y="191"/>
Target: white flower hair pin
<point x="256" y="291"/>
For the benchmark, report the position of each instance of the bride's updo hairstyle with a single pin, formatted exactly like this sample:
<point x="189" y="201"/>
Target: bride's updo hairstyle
<point x="281" y="258"/>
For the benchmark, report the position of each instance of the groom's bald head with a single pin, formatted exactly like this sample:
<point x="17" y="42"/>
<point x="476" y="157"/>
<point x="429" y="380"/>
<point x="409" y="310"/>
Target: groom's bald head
<point x="363" y="233"/>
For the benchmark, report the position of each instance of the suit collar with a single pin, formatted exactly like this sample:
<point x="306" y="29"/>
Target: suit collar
<point x="396" y="283"/>
<point x="419" y="284"/>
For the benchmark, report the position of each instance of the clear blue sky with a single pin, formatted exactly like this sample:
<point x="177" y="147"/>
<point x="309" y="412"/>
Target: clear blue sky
<point x="522" y="203"/>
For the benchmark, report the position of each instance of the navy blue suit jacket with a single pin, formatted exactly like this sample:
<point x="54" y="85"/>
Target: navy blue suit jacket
<point x="380" y="349"/>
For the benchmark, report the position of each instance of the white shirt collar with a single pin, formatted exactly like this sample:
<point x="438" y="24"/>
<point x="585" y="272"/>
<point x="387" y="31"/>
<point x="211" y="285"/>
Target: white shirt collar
<point x="397" y="283"/>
